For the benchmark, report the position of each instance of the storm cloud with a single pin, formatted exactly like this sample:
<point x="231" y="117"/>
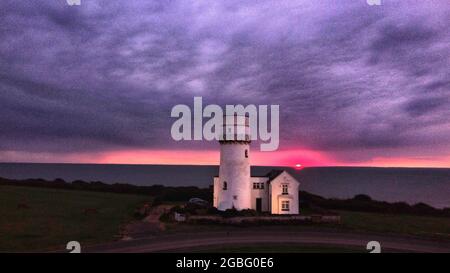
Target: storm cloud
<point x="352" y="80"/>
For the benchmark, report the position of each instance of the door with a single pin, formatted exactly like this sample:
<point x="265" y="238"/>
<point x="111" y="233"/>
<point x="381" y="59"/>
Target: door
<point x="258" y="204"/>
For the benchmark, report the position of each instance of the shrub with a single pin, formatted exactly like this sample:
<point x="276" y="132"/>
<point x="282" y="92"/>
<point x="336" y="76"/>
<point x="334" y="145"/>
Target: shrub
<point x="362" y="197"/>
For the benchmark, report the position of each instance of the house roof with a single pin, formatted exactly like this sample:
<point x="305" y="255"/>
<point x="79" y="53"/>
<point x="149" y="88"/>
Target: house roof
<point x="271" y="175"/>
<point x="274" y="174"/>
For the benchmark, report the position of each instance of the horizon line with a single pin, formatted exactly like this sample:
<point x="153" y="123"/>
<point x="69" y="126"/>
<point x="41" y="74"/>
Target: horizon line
<point x="214" y="165"/>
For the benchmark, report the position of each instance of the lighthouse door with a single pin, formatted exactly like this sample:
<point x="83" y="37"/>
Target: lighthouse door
<point x="258" y="204"/>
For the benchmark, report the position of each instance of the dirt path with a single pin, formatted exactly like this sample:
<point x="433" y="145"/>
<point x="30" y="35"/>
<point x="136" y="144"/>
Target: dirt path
<point x="149" y="226"/>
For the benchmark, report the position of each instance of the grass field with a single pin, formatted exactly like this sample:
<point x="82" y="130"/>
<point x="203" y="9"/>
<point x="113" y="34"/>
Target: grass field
<point x="422" y="226"/>
<point x="46" y="219"/>
<point x="40" y="219"/>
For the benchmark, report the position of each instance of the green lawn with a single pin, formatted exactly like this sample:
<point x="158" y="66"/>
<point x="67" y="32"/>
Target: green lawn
<point x="54" y="217"/>
<point x="396" y="223"/>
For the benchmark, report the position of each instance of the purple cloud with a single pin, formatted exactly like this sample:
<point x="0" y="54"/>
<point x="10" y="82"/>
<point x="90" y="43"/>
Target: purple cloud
<point x="349" y="77"/>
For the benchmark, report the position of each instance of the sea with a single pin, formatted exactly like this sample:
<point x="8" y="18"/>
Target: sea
<point x="410" y="185"/>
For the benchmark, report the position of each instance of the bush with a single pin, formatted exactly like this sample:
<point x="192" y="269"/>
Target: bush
<point x="165" y="217"/>
<point x="213" y="211"/>
<point x="362" y="197"/>
<point x="157" y="201"/>
<point x="229" y="213"/>
<point x="238" y="213"/>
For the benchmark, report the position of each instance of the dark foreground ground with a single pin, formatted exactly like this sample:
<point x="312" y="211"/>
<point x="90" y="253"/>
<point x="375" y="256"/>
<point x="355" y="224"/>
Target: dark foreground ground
<point x="43" y="219"/>
<point x="274" y="238"/>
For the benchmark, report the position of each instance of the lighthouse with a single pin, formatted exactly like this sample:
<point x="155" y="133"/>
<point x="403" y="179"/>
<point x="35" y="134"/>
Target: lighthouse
<point x="234" y="187"/>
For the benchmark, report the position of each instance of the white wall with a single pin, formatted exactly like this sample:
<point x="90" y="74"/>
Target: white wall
<point x="277" y="196"/>
<point x="260" y="193"/>
<point x="216" y="192"/>
<point x="235" y="170"/>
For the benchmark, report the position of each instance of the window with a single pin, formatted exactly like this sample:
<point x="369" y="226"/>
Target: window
<point x="285" y="205"/>
<point x="235" y="197"/>
<point x="246" y="153"/>
<point x="285" y="189"/>
<point x="261" y="186"/>
<point x="224" y="185"/>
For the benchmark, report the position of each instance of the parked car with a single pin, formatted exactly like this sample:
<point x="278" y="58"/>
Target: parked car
<point x="199" y="202"/>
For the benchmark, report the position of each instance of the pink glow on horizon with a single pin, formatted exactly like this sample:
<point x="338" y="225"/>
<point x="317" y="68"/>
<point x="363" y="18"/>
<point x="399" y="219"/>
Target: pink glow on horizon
<point x="289" y="158"/>
<point x="210" y="157"/>
<point x="163" y="157"/>
<point x="425" y="162"/>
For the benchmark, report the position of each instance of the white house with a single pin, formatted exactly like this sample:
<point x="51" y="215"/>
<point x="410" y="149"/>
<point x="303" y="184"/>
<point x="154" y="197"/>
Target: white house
<point x="277" y="192"/>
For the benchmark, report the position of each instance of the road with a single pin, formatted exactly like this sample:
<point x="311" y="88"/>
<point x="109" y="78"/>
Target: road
<point x="189" y="241"/>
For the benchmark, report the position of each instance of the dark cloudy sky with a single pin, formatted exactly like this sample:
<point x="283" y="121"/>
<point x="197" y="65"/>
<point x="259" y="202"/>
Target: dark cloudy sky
<point x="356" y="84"/>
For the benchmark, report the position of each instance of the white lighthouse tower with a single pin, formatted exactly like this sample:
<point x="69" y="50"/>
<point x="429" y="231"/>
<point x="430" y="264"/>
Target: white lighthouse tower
<point x="232" y="188"/>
